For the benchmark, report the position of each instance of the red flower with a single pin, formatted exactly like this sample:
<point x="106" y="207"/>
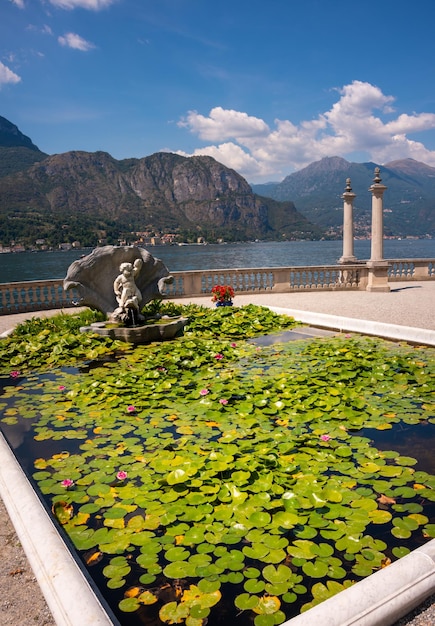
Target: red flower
<point x="222" y="293"/>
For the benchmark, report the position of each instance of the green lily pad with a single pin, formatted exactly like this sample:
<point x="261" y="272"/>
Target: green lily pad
<point x="179" y="569"/>
<point x="316" y="568"/>
<point x="245" y="601"/>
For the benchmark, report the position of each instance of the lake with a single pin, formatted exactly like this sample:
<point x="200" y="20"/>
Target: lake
<point x="23" y="266"/>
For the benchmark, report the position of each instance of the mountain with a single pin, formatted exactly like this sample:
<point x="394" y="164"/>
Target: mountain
<point x="92" y="196"/>
<point x="409" y="201"/>
<point x="11" y="136"/>
<point x="17" y="152"/>
<point x="89" y="197"/>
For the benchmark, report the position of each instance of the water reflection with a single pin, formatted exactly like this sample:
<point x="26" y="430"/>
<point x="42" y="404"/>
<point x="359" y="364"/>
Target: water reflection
<point x="415" y="440"/>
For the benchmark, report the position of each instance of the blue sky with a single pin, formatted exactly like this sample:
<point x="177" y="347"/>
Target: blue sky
<point x="265" y="87"/>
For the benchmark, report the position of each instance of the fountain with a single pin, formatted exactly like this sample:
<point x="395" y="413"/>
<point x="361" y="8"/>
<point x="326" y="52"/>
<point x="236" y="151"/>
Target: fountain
<point x="118" y="280"/>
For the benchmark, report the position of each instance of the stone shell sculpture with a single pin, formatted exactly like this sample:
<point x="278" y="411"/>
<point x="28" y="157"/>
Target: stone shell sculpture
<point x="94" y="275"/>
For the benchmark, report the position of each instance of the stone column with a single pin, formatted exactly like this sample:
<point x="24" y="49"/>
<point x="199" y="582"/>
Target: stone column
<point x="348" y="197"/>
<point x="378" y="267"/>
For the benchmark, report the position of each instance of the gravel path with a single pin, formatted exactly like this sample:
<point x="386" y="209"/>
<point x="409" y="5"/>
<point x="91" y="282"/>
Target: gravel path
<point x="21" y="601"/>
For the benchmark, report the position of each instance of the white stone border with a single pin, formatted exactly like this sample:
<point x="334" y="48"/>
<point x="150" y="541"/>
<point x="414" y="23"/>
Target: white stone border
<point x="378" y="600"/>
<point x="366" y="327"/>
<point x="67" y="591"/>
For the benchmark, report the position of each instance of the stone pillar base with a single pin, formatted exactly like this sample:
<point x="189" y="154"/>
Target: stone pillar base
<point x="378" y="276"/>
<point x="347" y="259"/>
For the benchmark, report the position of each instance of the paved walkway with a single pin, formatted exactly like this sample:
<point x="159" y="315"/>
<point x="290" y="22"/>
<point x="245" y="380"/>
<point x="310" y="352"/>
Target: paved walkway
<point x="409" y="304"/>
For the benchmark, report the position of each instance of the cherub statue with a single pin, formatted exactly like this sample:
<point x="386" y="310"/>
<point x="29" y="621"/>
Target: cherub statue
<point x="118" y="281"/>
<point x="126" y="291"/>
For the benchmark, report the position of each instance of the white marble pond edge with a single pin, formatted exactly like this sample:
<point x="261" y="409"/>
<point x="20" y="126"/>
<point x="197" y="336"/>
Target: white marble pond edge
<point x="379" y="600"/>
<point x="395" y="332"/>
<point x="67" y="591"/>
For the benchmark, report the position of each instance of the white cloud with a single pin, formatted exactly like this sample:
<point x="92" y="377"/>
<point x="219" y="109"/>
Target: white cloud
<point x="222" y="124"/>
<point x="359" y="122"/>
<point x="233" y="156"/>
<point x="18" y="3"/>
<point x="72" y="40"/>
<point x="7" y="76"/>
<point x="93" y="5"/>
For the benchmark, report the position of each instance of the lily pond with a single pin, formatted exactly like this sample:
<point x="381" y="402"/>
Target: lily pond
<point x="216" y="480"/>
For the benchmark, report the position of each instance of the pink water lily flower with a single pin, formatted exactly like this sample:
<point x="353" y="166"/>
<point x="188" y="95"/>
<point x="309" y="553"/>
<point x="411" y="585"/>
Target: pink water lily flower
<point x="223" y="401"/>
<point x="67" y="483"/>
<point x="233" y="345"/>
<point x="203" y="392"/>
<point x="218" y="356"/>
<point x="121" y="475"/>
<point x="14" y="374"/>
<point x="61" y="387"/>
<point x="325" y="437"/>
<point x="131" y="409"/>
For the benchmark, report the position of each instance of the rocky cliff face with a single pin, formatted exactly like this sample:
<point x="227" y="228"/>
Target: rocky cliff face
<point x="198" y="189"/>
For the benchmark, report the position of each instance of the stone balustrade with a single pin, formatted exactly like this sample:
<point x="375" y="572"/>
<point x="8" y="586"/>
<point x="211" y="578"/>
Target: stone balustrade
<point x="262" y="280"/>
<point x="35" y="295"/>
<point x="411" y="269"/>
<point x="38" y="295"/>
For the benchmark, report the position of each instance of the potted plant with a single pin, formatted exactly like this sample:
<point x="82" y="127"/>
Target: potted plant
<point x="223" y="295"/>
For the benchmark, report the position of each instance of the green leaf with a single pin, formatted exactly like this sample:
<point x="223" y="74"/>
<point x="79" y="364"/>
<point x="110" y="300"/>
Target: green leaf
<point x="315" y="569"/>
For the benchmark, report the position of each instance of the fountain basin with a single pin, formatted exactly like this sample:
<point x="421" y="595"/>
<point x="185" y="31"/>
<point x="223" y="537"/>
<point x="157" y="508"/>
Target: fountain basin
<point x="165" y="328"/>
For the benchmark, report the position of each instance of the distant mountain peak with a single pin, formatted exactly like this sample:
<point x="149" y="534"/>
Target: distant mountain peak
<point x="410" y="167"/>
<point x="333" y="164"/>
<point x="12" y="137"/>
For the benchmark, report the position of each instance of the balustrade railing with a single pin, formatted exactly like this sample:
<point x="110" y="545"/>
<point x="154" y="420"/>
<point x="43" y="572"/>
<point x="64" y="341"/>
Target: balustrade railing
<point x="411" y="269"/>
<point x="49" y="294"/>
<point x="262" y="280"/>
<point x="35" y="295"/>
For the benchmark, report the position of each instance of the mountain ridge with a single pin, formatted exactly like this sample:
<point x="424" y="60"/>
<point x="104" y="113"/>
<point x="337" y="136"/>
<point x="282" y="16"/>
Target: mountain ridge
<point x="94" y="198"/>
<point x="316" y="190"/>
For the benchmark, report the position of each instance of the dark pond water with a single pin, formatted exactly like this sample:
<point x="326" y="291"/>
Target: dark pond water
<point x="411" y="440"/>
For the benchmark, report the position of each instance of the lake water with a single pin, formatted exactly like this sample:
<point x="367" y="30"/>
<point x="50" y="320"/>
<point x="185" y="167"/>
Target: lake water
<point x="15" y="267"/>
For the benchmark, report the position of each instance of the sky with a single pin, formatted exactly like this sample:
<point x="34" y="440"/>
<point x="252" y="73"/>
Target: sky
<point x="265" y="87"/>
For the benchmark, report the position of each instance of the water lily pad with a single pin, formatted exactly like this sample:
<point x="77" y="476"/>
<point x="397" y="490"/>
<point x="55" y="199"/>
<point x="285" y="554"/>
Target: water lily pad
<point x="278" y="574"/>
<point x="177" y="554"/>
<point x="63" y="511"/>
<point x="129" y="605"/>
<point x="179" y="569"/>
<point x="315" y="569"/>
<point x="173" y="613"/>
<point x="380" y="517"/>
<point x="245" y="601"/>
<point x="267" y="605"/>
<point x="254" y="586"/>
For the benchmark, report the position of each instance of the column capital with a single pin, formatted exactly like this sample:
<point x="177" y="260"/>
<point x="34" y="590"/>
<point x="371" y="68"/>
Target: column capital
<point x="348" y="193"/>
<point x="377" y="188"/>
